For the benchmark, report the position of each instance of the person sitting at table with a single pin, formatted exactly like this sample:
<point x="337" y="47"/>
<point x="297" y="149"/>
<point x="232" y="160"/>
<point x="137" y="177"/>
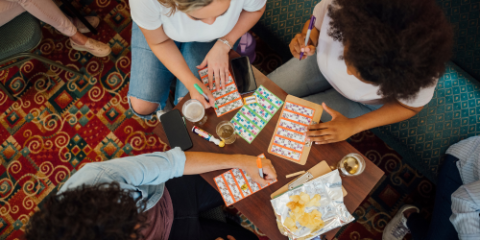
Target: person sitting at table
<point x="173" y="39"/>
<point x="48" y="11"/>
<point x="457" y="201"/>
<point x="155" y="196"/>
<point x="369" y="62"/>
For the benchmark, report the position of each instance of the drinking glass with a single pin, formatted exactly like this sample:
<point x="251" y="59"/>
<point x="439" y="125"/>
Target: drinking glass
<point x="351" y="165"/>
<point x="194" y="111"/>
<point x="226" y="131"/>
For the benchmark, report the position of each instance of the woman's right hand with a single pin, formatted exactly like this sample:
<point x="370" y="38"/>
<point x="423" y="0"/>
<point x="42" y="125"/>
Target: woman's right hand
<point x="194" y="94"/>
<point x="297" y="45"/>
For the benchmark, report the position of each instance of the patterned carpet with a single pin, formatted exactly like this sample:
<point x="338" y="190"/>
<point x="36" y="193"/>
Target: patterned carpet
<point x="59" y="123"/>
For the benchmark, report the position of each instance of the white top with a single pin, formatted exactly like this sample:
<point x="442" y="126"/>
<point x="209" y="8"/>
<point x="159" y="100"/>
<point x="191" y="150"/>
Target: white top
<point x="466" y="199"/>
<point x="150" y="15"/>
<point x="335" y="70"/>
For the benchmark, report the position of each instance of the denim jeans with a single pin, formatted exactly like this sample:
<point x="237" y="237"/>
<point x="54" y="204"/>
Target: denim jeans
<point x="150" y="80"/>
<point x="440" y="227"/>
<point x="303" y="79"/>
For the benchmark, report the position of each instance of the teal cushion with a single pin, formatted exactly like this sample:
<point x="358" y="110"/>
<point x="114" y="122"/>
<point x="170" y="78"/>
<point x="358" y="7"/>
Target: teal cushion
<point x="453" y="114"/>
<point x="19" y="35"/>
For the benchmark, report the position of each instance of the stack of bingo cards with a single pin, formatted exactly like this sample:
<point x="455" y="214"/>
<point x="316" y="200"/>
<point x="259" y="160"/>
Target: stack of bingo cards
<point x="228" y="98"/>
<point x="251" y="119"/>
<point x="289" y="137"/>
<point x="236" y="185"/>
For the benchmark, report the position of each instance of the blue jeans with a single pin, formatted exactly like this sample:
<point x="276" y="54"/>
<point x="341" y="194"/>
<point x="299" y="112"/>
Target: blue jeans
<point x="303" y="79"/>
<point x="150" y="80"/>
<point x="440" y="227"/>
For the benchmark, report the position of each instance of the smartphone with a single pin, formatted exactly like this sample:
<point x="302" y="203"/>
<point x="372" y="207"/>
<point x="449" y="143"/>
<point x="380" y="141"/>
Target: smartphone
<point x="243" y="75"/>
<point x="175" y="129"/>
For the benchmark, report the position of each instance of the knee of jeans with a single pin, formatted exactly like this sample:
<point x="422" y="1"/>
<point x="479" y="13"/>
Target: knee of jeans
<point x="142" y="108"/>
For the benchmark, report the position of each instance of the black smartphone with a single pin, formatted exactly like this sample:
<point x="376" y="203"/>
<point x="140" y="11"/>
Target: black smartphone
<point x="176" y="131"/>
<point x="243" y="74"/>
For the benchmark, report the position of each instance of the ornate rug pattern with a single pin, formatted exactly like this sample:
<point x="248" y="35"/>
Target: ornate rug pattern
<point x="60" y="122"/>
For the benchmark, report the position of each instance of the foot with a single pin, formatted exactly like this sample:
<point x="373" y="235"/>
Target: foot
<point x="397" y="228"/>
<point x="93" y="20"/>
<point x="92" y="46"/>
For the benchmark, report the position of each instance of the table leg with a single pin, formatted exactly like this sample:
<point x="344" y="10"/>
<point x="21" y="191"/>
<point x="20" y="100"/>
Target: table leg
<point x="80" y="17"/>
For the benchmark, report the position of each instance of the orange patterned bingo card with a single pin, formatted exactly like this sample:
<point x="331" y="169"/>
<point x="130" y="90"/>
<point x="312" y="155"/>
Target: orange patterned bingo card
<point x="289" y="137"/>
<point x="228" y="98"/>
<point x="236" y="185"/>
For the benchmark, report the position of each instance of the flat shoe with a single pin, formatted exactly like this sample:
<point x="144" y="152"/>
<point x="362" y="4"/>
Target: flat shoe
<point x="93" y="20"/>
<point x="94" y="47"/>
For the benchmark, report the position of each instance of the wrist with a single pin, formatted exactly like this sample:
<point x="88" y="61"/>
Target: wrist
<point x="227" y="45"/>
<point x="357" y="125"/>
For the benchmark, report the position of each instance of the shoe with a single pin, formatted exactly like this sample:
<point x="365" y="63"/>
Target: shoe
<point x="160" y="113"/>
<point x="94" y="47"/>
<point x="397" y="228"/>
<point x="93" y="20"/>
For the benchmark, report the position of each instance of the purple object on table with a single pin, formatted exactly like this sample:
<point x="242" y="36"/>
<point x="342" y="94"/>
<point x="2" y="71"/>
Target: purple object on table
<point x="310" y="27"/>
<point x="247" y="46"/>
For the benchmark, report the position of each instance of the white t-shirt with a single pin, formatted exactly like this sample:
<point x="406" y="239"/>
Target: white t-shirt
<point x="150" y="14"/>
<point x="335" y="70"/>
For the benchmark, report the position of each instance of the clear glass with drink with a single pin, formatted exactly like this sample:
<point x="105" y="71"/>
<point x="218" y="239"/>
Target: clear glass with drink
<point x="226" y="131"/>
<point x="351" y="165"/>
<point x="194" y="111"/>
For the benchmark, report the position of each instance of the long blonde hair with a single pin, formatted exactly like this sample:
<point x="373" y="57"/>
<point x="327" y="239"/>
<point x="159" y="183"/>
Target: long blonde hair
<point x="184" y="5"/>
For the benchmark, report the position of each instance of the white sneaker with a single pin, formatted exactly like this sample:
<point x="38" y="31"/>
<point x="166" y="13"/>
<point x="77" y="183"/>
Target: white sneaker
<point x="397" y="228"/>
<point x="160" y="113"/>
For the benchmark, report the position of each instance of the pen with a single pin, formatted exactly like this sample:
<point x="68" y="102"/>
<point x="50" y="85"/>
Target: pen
<point x="199" y="89"/>
<point x="310" y="27"/>
<point x="259" y="165"/>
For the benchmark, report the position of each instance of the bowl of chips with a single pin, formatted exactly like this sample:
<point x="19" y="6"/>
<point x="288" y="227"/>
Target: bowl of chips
<point x="312" y="209"/>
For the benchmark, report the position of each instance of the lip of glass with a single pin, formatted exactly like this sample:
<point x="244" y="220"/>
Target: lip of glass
<point x="192" y="101"/>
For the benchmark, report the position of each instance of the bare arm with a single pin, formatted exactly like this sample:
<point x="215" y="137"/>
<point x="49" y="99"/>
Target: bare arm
<point x="167" y="52"/>
<point x="202" y="162"/>
<point x="341" y="127"/>
<point x="245" y="22"/>
<point x="297" y="45"/>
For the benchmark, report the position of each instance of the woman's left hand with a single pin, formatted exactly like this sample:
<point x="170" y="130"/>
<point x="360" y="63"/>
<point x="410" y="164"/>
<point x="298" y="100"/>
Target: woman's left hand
<point x="217" y="62"/>
<point x="338" y="129"/>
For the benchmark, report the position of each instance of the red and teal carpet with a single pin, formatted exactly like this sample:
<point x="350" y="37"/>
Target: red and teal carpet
<point x="59" y="122"/>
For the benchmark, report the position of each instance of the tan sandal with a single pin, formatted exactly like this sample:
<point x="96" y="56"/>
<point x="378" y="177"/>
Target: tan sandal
<point x="94" y="47"/>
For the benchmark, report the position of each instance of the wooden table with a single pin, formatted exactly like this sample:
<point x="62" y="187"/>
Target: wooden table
<point x="257" y="208"/>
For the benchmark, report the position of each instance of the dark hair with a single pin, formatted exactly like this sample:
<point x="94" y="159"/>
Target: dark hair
<point x="399" y="45"/>
<point x="100" y="212"/>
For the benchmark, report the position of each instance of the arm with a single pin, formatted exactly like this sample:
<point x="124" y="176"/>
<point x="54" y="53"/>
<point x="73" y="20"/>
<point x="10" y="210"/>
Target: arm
<point x="167" y="52"/>
<point x="465" y="209"/>
<point x="297" y="45"/>
<point x="341" y="127"/>
<point x="217" y="58"/>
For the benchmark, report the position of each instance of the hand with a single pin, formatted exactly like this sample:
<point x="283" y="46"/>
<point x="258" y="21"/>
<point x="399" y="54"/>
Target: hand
<point x="229" y="238"/>
<point x="194" y="94"/>
<point x="217" y="61"/>
<point x="298" y="45"/>
<point x="338" y="129"/>
<point x="250" y="165"/>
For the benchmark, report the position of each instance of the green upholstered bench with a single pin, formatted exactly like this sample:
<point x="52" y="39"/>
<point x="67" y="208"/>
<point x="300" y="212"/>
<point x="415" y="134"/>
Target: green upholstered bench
<point x="452" y="115"/>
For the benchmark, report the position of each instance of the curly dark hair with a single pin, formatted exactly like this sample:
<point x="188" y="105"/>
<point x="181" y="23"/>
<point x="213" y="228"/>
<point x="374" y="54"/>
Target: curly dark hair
<point x="104" y="211"/>
<point x="399" y="45"/>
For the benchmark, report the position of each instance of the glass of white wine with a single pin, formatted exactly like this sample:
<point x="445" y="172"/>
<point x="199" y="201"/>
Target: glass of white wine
<point x="353" y="164"/>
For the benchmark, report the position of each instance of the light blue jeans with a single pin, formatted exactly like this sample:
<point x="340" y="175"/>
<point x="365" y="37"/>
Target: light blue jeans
<point x="150" y="80"/>
<point x="303" y="79"/>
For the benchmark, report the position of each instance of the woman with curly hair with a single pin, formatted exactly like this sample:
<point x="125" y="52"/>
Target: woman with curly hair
<point x="369" y="62"/>
<point x="173" y="39"/>
<point x="155" y="196"/>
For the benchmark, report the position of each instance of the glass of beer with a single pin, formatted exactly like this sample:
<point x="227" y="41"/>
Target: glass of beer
<point x="351" y="165"/>
<point x="194" y="111"/>
<point x="226" y="131"/>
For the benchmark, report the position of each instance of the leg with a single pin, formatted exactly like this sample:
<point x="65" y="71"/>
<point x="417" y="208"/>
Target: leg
<point x="440" y="228"/>
<point x="149" y="79"/>
<point x="9" y="10"/>
<point x="300" y="78"/>
<point x="338" y="102"/>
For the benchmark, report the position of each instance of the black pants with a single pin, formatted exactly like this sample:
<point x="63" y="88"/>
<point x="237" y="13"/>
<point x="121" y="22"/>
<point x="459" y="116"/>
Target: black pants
<point x="192" y="195"/>
<point x="440" y="227"/>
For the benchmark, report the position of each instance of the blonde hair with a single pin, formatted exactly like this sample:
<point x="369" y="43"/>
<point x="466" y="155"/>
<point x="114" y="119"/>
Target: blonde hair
<point x="184" y="5"/>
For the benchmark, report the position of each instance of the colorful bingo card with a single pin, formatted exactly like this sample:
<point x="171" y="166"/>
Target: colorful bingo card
<point x="251" y="119"/>
<point x="228" y="98"/>
<point x="236" y="185"/>
<point x="289" y="137"/>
